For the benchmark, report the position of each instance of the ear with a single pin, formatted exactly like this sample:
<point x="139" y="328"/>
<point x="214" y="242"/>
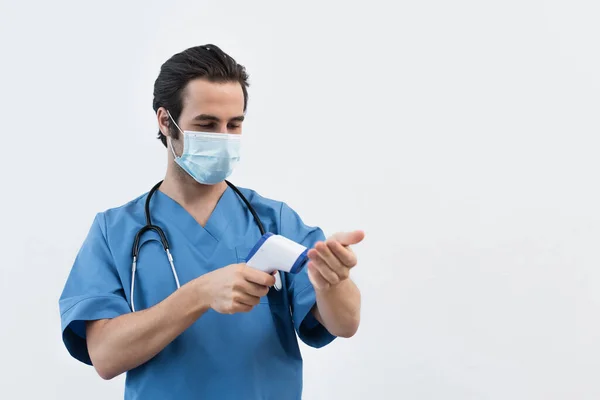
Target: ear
<point x="164" y="121"/>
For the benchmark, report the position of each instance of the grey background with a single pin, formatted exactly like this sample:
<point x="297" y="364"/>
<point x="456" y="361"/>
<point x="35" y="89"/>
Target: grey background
<point x="461" y="136"/>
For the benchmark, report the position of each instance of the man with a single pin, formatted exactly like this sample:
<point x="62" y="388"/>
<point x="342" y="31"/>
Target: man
<point x="190" y="320"/>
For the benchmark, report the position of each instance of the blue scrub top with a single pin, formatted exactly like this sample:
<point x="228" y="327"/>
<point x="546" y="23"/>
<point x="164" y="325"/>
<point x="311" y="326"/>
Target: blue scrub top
<point x="251" y="355"/>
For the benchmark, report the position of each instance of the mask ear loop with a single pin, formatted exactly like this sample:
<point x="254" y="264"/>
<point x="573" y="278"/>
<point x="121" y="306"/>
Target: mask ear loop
<point x="169" y="138"/>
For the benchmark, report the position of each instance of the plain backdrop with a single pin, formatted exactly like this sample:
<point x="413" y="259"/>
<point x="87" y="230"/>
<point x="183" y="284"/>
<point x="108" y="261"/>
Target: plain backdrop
<point x="462" y="136"/>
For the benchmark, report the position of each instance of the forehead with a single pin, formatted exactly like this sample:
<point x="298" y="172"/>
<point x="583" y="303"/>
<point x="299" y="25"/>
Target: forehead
<point x="223" y="99"/>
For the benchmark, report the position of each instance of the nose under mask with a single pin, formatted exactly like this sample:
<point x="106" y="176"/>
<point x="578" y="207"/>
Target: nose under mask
<point x="207" y="157"/>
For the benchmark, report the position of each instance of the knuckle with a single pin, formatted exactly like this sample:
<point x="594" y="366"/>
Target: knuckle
<point x="267" y="281"/>
<point x="237" y="284"/>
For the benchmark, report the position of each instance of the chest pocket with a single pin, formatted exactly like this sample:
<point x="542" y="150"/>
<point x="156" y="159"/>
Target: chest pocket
<point x="274" y="297"/>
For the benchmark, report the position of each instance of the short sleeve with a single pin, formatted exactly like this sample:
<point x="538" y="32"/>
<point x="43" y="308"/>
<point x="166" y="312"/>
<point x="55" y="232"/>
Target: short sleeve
<point x="93" y="291"/>
<point x="301" y="293"/>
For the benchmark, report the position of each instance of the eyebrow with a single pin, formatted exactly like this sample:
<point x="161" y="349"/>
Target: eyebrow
<point x="208" y="117"/>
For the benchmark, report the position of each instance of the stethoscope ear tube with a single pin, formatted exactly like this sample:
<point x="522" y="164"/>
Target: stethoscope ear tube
<point x="149" y="227"/>
<point x="252" y="211"/>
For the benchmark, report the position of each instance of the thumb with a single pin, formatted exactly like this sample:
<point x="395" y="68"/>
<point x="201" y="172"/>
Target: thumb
<point x="349" y="238"/>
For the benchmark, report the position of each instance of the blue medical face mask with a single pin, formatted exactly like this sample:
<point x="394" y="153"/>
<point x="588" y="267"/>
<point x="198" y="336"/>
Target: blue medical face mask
<point x="209" y="158"/>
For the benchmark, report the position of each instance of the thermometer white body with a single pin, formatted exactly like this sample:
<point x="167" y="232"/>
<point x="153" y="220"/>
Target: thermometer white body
<point x="277" y="253"/>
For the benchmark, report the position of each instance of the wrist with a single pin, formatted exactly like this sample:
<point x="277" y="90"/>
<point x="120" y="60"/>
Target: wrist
<point x="325" y="291"/>
<point x="331" y="288"/>
<point x="202" y="295"/>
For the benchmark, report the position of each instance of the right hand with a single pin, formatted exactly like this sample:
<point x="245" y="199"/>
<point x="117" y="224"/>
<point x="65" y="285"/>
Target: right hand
<point x="237" y="288"/>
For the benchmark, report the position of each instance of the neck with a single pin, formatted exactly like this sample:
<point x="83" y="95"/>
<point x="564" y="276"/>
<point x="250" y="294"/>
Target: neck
<point x="182" y="188"/>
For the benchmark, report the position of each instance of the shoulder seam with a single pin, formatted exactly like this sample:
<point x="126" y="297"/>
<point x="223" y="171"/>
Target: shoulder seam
<point x="104" y="231"/>
<point x="280" y="227"/>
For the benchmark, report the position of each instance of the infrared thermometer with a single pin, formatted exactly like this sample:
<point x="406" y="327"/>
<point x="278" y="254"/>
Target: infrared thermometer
<point x="277" y="253"/>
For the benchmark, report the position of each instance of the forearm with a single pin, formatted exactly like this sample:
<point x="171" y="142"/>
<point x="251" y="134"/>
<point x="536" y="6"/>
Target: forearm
<point x="123" y="343"/>
<point x="338" y="308"/>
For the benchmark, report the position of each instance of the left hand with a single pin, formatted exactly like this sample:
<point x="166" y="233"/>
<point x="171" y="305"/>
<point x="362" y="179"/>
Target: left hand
<point x="331" y="261"/>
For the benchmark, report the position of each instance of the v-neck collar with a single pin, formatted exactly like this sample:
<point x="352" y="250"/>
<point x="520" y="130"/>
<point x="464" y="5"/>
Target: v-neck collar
<point x="173" y="216"/>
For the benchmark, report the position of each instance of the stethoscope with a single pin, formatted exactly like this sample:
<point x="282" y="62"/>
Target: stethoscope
<point x="163" y="238"/>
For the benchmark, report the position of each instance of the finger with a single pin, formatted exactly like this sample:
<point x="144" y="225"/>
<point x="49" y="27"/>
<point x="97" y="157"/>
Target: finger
<point x="316" y="278"/>
<point x="239" y="307"/>
<point x="254" y="289"/>
<point x="327" y="273"/>
<point x="259" y="277"/>
<point x="349" y="238"/>
<point x="246" y="299"/>
<point x="332" y="261"/>
<point x="344" y="254"/>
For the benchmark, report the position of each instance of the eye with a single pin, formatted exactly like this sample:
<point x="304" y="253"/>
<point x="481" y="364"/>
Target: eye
<point x="234" y="126"/>
<point x="207" y="126"/>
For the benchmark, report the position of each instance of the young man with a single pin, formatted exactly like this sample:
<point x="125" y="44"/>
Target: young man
<point x="189" y="320"/>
